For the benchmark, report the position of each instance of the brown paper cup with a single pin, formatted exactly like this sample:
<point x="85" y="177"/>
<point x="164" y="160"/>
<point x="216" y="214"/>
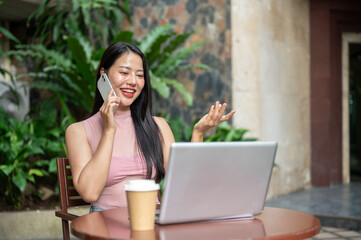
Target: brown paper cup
<point x="141" y="206"/>
<point x="143" y="235"/>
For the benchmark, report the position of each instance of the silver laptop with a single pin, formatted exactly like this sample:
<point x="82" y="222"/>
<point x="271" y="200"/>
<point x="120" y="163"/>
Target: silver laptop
<point x="215" y="180"/>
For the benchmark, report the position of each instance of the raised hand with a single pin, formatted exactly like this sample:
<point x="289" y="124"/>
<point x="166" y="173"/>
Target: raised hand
<point x="212" y="119"/>
<point x="107" y="110"/>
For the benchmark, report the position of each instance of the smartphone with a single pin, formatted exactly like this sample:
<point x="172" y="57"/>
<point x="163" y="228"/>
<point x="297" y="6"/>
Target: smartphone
<point x="104" y="86"/>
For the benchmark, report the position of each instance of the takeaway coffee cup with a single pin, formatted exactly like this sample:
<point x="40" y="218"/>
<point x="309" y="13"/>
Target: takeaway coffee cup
<point x="141" y="198"/>
<point x="143" y="235"/>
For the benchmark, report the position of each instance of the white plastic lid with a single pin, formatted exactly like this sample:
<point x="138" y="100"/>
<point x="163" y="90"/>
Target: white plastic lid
<point x="141" y="185"/>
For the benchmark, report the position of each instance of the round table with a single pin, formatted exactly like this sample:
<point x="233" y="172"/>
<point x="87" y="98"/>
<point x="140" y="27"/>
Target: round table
<point x="273" y="223"/>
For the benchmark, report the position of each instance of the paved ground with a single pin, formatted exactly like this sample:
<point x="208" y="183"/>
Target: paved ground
<point x="338" y="233"/>
<point x="338" y="208"/>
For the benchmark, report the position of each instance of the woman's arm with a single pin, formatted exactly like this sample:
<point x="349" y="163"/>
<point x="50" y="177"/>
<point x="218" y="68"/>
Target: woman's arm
<point x="90" y="172"/>
<point x="212" y="119"/>
<point x="168" y="138"/>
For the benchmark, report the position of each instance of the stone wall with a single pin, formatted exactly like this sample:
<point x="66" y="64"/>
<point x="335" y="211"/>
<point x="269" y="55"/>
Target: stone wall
<point x="270" y="62"/>
<point x="210" y="20"/>
<point x="259" y="51"/>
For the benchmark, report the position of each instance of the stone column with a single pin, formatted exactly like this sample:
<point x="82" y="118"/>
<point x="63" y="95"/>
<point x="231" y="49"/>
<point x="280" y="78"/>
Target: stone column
<point x="270" y="74"/>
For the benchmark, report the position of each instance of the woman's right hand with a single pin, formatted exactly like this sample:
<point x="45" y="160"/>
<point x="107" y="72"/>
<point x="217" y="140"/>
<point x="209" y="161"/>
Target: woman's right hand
<point x="107" y="111"/>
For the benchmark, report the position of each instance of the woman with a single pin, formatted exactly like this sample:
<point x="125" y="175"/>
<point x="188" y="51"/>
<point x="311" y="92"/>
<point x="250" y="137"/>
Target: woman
<point x="112" y="147"/>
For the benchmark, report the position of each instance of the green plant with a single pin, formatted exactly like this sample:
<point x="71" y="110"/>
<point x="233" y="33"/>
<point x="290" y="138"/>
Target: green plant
<point x="181" y="131"/>
<point x="66" y="56"/>
<point x="71" y="78"/>
<point x="67" y="63"/>
<point x="16" y="145"/>
<point x="226" y="133"/>
<point x="95" y="20"/>
<point x="28" y="151"/>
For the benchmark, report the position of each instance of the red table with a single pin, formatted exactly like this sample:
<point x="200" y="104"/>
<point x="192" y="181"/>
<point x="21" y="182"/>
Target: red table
<point x="274" y="223"/>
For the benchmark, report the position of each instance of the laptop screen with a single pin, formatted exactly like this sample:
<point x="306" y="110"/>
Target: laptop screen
<point x="215" y="180"/>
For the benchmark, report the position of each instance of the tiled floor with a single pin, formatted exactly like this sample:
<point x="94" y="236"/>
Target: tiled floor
<point x="338" y="208"/>
<point x="339" y="201"/>
<point x="337" y="233"/>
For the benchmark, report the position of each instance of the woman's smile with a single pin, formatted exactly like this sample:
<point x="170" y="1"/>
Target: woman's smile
<point x="127" y="78"/>
<point x="127" y="92"/>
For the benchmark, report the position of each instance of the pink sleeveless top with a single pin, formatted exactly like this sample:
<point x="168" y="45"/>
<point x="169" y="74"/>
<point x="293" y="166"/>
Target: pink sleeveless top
<point x="126" y="162"/>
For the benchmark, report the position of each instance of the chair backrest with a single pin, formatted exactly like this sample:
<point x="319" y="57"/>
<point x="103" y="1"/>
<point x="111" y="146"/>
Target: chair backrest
<point x="69" y="197"/>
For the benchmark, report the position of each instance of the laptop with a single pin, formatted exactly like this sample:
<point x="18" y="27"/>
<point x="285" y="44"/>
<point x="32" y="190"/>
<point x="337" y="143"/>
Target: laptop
<point x="216" y="180"/>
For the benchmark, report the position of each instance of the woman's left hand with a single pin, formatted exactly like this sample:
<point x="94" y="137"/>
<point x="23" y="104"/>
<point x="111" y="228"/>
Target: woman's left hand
<point x="212" y="119"/>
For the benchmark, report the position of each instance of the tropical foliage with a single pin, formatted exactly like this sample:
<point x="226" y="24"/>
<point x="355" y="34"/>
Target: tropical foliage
<point x="225" y="133"/>
<point x="28" y="151"/>
<point x="72" y="79"/>
<point x="66" y="37"/>
<point x="94" y="20"/>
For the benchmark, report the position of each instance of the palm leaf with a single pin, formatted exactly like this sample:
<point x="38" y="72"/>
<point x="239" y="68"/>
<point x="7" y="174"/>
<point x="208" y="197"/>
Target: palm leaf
<point x="177" y="85"/>
<point x="194" y="66"/>
<point x="159" y="85"/>
<point x="174" y="61"/>
<point x="157" y="54"/>
<point x="152" y="37"/>
<point x="82" y="61"/>
<point x="125" y="36"/>
<point x="52" y="57"/>
<point x="8" y="34"/>
<point x="177" y="42"/>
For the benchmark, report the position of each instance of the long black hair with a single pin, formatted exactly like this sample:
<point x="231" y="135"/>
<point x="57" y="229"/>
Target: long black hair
<point x="148" y="135"/>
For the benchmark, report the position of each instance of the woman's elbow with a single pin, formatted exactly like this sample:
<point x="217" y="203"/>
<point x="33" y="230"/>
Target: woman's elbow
<point x="89" y="196"/>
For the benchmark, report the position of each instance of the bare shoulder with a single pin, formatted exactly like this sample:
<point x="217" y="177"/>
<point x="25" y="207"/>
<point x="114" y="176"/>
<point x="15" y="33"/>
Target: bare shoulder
<point x="161" y="121"/>
<point x="75" y="134"/>
<point x="164" y="128"/>
<point x="74" y="129"/>
<point x="77" y="145"/>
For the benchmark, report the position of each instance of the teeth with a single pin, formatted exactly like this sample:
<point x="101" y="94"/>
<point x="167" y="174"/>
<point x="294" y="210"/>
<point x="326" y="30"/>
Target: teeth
<point x="128" y="90"/>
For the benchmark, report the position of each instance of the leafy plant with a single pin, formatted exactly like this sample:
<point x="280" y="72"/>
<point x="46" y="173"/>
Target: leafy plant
<point x="28" y="151"/>
<point x="8" y="36"/>
<point x="66" y="56"/>
<point x="70" y="50"/>
<point x="181" y="131"/>
<point x="96" y="20"/>
<point x="71" y="78"/>
<point x="225" y="133"/>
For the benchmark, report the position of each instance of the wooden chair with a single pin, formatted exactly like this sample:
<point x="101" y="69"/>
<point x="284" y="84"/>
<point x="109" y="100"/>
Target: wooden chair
<point x="69" y="197"/>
